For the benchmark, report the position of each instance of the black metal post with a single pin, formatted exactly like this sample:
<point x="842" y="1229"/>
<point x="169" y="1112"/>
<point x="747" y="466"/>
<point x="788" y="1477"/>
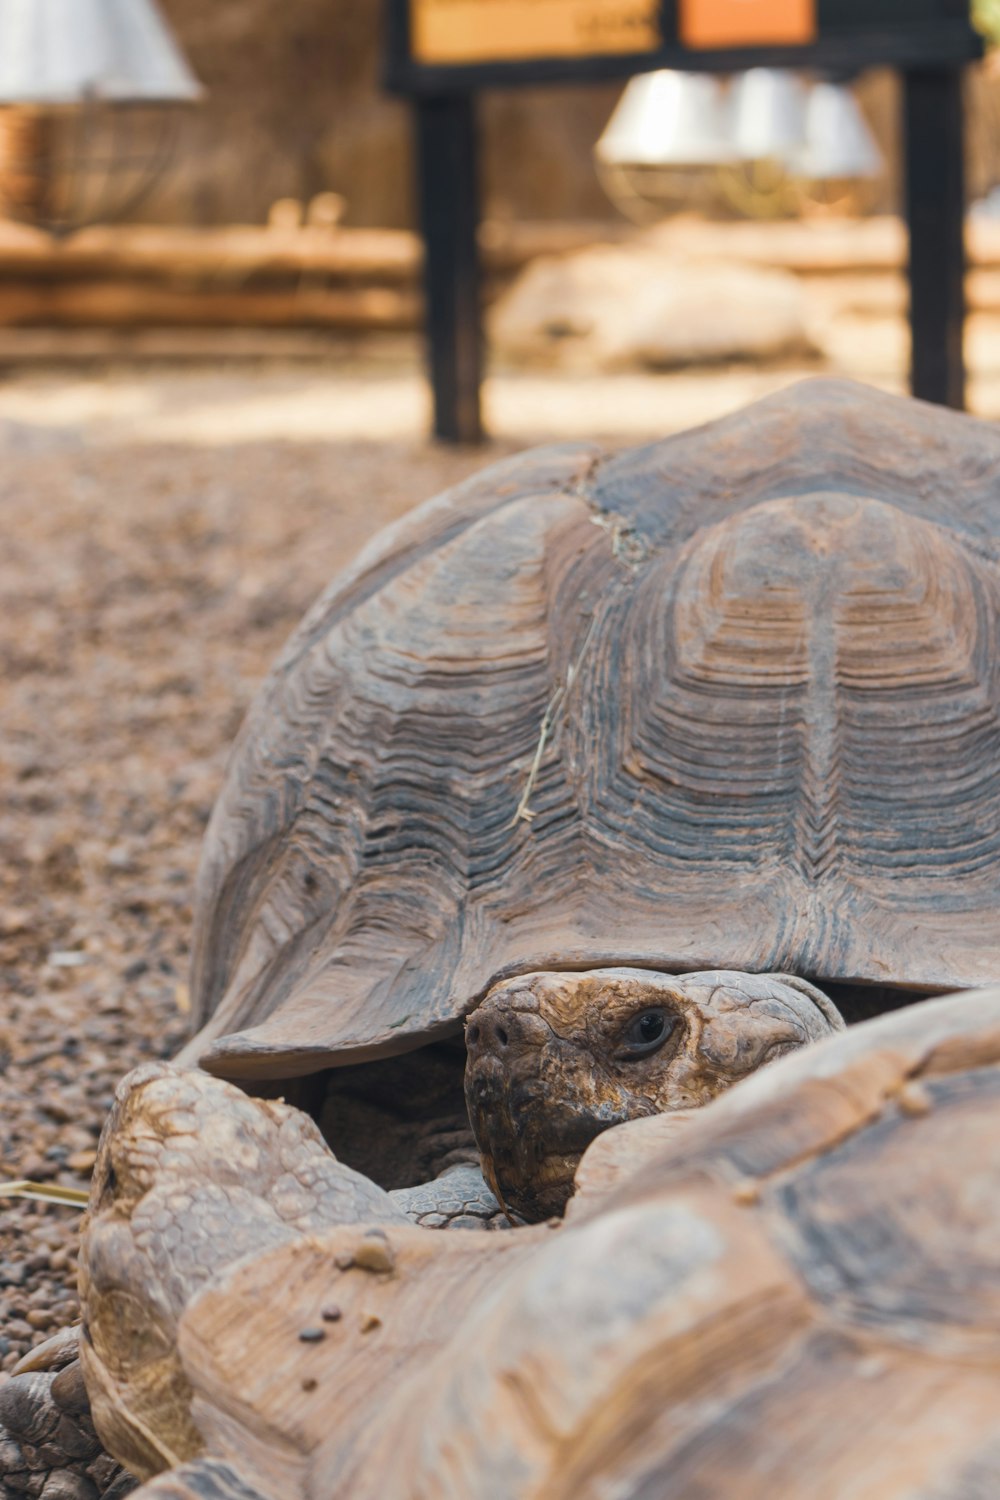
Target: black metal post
<point x="449" y="217"/>
<point x="935" y="210"/>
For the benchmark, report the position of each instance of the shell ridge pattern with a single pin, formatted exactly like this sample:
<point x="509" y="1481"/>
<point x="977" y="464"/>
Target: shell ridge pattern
<point x="432" y="729"/>
<point x="729" y="701"/>
<point x="820" y="792"/>
<point x="824" y="435"/>
<point x="246" y="812"/>
<point x="437" y="523"/>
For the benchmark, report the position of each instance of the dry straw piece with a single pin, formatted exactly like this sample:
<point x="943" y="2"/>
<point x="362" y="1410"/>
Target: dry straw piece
<point x="44" y="1192"/>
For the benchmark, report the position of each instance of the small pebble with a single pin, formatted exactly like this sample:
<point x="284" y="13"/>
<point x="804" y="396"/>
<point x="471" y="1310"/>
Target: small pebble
<point x="375" y="1253"/>
<point x="914" y="1099"/>
<point x="104" y="1470"/>
<point x="331" y="1313"/>
<point x="369" y="1322"/>
<point x="344" y="1261"/>
<point x="746" y="1193"/>
<point x="38" y="1169"/>
<point x="312" y="1335"/>
<point x="310" y="1383"/>
<point x="82" y="1161"/>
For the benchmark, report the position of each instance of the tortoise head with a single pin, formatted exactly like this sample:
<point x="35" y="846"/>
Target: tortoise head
<point x="554" y="1059"/>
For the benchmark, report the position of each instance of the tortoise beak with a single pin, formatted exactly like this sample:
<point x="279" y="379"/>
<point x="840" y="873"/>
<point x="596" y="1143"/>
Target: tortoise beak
<point x="531" y="1116"/>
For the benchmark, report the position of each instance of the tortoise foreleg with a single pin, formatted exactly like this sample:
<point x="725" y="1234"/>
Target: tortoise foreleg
<point x="458" y="1199"/>
<point x="192" y="1176"/>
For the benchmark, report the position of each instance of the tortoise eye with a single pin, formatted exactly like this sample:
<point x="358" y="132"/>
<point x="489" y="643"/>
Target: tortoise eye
<point x="647" y="1032"/>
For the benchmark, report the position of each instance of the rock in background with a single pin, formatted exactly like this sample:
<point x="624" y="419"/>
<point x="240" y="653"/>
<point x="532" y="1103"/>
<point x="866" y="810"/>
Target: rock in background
<point x="620" y="306"/>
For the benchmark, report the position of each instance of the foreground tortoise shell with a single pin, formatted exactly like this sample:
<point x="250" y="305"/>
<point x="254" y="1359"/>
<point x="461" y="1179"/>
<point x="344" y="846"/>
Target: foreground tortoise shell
<point x="794" y="1292"/>
<point x="731" y="700"/>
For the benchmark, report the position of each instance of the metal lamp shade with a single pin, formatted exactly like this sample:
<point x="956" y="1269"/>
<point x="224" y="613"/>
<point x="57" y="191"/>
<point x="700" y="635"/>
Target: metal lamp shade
<point x="668" y="119"/>
<point x="88" y="116"/>
<point x="64" y="52"/>
<point x="839" y="145"/>
<point x="768" y="115"/>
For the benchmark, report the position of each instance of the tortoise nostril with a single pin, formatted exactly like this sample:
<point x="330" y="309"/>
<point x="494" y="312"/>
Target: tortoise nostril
<point x="489" y="1035"/>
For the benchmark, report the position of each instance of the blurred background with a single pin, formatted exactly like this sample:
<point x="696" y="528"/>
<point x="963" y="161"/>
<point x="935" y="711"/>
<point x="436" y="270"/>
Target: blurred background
<point x="212" y="391"/>
<point x="651" y="259"/>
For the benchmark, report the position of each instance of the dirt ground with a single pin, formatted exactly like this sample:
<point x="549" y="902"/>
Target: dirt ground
<point x="162" y="534"/>
<point x="145" y="589"/>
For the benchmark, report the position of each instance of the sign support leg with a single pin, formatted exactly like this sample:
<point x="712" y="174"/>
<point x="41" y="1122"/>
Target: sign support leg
<point x="449" y="218"/>
<point x="935" y="210"/>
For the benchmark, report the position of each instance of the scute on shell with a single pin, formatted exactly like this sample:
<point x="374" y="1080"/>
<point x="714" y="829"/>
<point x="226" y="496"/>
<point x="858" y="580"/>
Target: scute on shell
<point x="729" y="700"/>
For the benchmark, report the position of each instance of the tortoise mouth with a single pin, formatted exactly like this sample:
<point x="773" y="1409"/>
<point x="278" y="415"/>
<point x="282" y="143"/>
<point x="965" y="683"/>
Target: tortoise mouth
<point x="547" y="1193"/>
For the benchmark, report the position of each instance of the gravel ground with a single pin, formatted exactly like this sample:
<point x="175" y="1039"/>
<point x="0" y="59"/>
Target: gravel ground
<point x="145" y="591"/>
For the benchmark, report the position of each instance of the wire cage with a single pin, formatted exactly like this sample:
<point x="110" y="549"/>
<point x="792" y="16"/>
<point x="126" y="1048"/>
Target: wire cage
<point x="90" y="96"/>
<point x="62" y="169"/>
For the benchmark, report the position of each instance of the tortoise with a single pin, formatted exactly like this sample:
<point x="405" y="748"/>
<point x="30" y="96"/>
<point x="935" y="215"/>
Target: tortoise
<point x="607" y="741"/>
<point x="728" y="702"/>
<point x="793" y="1291"/>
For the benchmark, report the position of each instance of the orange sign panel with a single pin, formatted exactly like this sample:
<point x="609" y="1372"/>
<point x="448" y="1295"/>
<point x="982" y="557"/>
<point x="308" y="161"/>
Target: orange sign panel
<point x="476" y="31"/>
<point x="747" y="23"/>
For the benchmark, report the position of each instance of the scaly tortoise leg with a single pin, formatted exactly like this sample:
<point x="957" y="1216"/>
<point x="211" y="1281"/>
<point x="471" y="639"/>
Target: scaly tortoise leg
<point x="191" y="1176"/>
<point x="240" y="1175"/>
<point x="458" y="1199"/>
<point x="48" y="1445"/>
<point x="72" y="1452"/>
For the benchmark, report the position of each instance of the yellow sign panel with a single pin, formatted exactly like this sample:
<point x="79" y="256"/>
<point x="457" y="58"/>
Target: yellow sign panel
<point x="477" y="31"/>
<point x="747" y="23"/>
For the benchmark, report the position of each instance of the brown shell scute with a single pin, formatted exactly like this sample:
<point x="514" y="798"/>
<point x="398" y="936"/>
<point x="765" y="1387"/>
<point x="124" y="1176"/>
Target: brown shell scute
<point x="898" y="1272"/>
<point x="732" y="700"/>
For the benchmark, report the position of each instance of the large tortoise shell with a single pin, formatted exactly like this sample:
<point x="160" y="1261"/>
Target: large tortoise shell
<point x="729" y="700"/>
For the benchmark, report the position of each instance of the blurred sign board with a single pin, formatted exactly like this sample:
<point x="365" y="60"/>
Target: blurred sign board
<point x="441" y="53"/>
<point x="456" y="46"/>
<point x="747" y="23"/>
<point x="474" y="31"/>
